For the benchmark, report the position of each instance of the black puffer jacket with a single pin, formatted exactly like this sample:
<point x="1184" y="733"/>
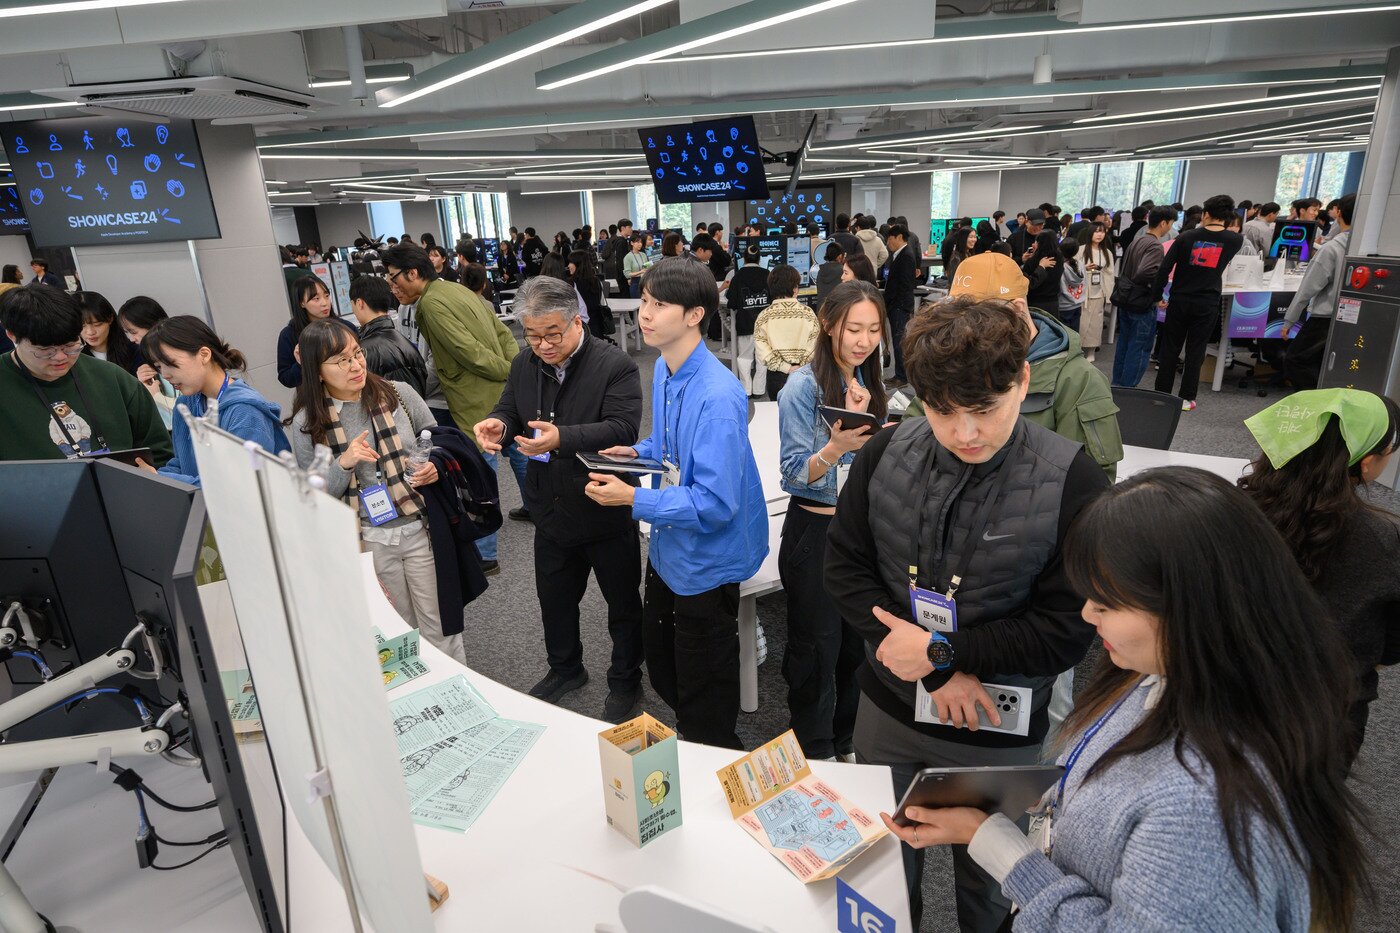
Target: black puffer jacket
<point x="390" y="355"/>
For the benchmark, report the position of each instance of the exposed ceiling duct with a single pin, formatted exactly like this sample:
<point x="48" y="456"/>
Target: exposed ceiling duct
<point x="217" y="98"/>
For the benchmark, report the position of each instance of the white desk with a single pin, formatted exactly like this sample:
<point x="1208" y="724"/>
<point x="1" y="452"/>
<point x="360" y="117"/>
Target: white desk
<point x="625" y="316"/>
<point x="1137" y="459"/>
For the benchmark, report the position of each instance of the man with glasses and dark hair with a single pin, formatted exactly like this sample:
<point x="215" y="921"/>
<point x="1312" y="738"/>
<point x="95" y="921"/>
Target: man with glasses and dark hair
<point x="471" y="349"/>
<point x="573" y="394"/>
<point x="59" y="403"/>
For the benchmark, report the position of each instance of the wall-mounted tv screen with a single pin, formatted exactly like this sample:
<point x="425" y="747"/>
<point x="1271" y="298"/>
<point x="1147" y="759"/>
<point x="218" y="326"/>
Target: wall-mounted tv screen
<point x="809" y="204"/>
<point x="94" y="181"/>
<point x="12" y="219"/>
<point x="940" y="227"/>
<point x="717" y="160"/>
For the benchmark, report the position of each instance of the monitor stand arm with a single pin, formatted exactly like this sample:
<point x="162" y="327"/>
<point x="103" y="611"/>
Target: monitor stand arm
<point x="17" y="915"/>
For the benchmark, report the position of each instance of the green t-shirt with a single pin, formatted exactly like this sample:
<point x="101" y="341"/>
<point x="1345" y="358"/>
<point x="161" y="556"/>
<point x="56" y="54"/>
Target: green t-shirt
<point x="94" y="398"/>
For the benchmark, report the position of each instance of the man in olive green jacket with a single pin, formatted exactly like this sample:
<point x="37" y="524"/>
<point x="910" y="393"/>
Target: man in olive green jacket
<point x="1067" y="393"/>
<point x="471" y="348"/>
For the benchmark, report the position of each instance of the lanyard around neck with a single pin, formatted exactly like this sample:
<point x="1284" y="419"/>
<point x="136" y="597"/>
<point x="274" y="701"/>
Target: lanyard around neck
<point x="33" y="380"/>
<point x="1087" y="738"/>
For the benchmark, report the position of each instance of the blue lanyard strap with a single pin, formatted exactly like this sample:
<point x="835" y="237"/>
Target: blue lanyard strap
<point x="1087" y="738"/>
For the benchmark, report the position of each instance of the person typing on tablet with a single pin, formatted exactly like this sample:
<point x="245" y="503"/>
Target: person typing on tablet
<point x="823" y="652"/>
<point x="1205" y="780"/>
<point x="956" y="519"/>
<point x="709" y="524"/>
<point x="573" y="392"/>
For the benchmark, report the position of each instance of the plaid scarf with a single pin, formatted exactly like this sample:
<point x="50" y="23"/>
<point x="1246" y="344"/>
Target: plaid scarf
<point x="393" y="461"/>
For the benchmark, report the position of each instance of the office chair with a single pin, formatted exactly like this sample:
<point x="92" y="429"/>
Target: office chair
<point x="1147" y="418"/>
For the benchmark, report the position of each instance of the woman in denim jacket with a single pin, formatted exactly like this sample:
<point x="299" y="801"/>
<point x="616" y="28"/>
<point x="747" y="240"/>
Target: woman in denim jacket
<point x="823" y="652"/>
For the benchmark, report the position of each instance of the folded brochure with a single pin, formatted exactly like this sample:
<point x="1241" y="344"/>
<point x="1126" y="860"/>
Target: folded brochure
<point x="801" y="820"/>
<point x="398" y="658"/>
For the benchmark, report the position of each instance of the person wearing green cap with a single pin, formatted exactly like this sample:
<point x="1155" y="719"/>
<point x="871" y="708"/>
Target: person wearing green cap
<point x="1319" y="447"/>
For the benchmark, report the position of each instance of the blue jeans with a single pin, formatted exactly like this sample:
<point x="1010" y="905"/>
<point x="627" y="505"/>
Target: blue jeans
<point x="486" y="547"/>
<point x="1136" y="332"/>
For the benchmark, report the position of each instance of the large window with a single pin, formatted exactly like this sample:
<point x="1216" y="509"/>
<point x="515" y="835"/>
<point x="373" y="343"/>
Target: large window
<point x="1297" y="175"/>
<point x="676" y="217"/>
<point x="1119" y="186"/>
<point x="641" y="205"/>
<point x="943" y="194"/>
<point x="1076" y="186"/>
<point x="386" y="218"/>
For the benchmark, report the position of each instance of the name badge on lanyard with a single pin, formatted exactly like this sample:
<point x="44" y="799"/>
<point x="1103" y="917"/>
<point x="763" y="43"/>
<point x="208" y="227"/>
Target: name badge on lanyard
<point x="843" y="473"/>
<point x="936" y="612"/>
<point x="672" y="476"/>
<point x="378" y="505"/>
<point x="540" y="458"/>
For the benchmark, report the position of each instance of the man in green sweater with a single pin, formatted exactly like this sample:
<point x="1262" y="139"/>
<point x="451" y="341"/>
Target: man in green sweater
<point x="56" y="402"/>
<point x="471" y="348"/>
<point x="1067" y="393"/>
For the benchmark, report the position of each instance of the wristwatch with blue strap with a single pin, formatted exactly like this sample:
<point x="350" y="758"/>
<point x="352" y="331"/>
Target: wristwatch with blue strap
<point x="940" y="653"/>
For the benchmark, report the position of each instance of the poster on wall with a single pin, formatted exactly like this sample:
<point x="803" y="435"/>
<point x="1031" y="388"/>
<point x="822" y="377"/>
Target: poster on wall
<point x="322" y="271"/>
<point x="92" y="181"/>
<point x="1259" y="315"/>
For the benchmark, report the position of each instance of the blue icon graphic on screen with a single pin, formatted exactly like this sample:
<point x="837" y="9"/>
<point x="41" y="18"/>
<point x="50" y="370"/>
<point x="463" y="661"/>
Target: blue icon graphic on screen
<point x="710" y="136"/>
<point x="36" y="196"/>
<point x="811" y="208"/>
<point x="112" y="163"/>
<point x="162" y="134"/>
<point x="733" y="132"/>
<point x="670" y="141"/>
<point x="665" y="158"/>
<point x="727" y="152"/>
<point x="651" y="142"/>
<point x="138" y="190"/>
<point x="54" y="144"/>
<point x="661" y="173"/>
<point x="685" y="155"/>
<point x="719" y="168"/>
<point x="180" y="158"/>
<point x="45" y="169"/>
<point x="817" y="198"/>
<point x="124" y="138"/>
<point x="102" y="191"/>
<point x="742" y="168"/>
<point x="152" y="162"/>
<point x="20" y="147"/>
<point x="87" y="141"/>
<point x="175" y="188"/>
<point x="79" y="169"/>
<point x="68" y="190"/>
<point x="165" y="215"/>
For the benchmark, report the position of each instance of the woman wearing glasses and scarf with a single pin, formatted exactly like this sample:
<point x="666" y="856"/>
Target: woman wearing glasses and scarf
<point x="370" y="425"/>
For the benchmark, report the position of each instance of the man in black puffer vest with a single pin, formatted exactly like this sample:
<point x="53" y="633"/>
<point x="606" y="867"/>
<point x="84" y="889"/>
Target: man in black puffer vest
<point x="971" y="501"/>
<point x="574" y="393"/>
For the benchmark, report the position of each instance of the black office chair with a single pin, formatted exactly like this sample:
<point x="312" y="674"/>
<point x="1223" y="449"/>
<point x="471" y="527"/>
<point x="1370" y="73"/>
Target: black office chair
<point x="1147" y="418"/>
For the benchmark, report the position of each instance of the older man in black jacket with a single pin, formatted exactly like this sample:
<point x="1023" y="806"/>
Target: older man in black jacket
<point x="388" y="353"/>
<point x="574" y="394"/>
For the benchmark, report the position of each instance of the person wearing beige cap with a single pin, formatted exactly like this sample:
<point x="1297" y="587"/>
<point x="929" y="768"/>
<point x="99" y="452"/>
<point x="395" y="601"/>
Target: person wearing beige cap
<point x="1067" y="394"/>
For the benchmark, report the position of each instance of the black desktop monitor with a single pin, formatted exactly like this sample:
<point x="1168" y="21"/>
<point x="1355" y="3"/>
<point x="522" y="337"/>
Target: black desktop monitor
<point x="96" y="546"/>
<point x="490" y="252"/>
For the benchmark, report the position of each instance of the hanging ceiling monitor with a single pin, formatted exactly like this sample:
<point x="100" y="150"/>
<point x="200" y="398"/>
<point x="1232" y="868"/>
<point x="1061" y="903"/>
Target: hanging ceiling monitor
<point x="809" y="204"/>
<point x="717" y="160"/>
<point x="92" y="181"/>
<point x="12" y="219"/>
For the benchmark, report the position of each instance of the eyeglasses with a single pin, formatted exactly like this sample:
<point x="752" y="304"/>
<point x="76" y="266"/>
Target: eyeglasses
<point x="72" y="349"/>
<point x="393" y="277"/>
<point x="552" y="339"/>
<point x="344" y="361"/>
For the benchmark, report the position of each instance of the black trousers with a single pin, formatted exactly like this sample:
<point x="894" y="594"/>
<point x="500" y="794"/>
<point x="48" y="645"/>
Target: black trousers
<point x="899" y="318"/>
<point x="692" y="653"/>
<point x="1190" y="321"/>
<point x="823" y="652"/>
<point x="1302" y="361"/>
<point x="561" y="578"/>
<point x="774" y="385"/>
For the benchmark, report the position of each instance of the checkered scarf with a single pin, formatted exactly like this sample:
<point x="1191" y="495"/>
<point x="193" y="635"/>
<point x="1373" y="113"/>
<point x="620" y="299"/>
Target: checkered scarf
<point x="393" y="460"/>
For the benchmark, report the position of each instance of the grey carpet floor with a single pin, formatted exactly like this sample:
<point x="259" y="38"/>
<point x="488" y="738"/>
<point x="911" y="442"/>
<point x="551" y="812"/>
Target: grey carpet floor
<point x="504" y="641"/>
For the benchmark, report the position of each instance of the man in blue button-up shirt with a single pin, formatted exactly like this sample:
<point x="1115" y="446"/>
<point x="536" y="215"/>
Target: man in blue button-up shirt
<point x="709" y="523"/>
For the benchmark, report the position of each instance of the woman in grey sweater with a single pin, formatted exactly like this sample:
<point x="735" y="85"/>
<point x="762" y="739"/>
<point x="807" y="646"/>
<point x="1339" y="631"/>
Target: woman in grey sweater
<point x="370" y="426"/>
<point x="1203" y="788"/>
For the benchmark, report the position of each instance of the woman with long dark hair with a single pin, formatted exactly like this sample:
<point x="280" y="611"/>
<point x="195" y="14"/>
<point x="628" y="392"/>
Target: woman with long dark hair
<point x="200" y="366"/>
<point x="1043" y="270"/>
<point x="823" y="652"/>
<point x="136" y="317"/>
<point x="101" y="338"/>
<point x="509" y="263"/>
<point x="859" y="268"/>
<point x="583" y="274"/>
<point x="1204" y="786"/>
<point x="311" y="301"/>
<point x="371" y="426"/>
<point x="965" y="239"/>
<point x="562" y="244"/>
<point x="1319" y="449"/>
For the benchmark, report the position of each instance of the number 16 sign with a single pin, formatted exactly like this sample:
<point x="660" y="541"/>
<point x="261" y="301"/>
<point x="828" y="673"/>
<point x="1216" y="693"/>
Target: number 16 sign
<point x="854" y="914"/>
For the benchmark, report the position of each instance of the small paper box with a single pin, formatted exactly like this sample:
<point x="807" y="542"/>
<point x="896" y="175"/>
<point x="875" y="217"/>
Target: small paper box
<point x="641" y="779"/>
<point x="802" y="821"/>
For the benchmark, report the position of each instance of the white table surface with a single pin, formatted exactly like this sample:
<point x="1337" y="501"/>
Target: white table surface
<point x="1137" y="459"/>
<point x="541" y="857"/>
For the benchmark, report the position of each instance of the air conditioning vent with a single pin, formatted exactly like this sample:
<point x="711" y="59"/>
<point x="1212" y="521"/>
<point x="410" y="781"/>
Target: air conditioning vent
<point x="218" y="98"/>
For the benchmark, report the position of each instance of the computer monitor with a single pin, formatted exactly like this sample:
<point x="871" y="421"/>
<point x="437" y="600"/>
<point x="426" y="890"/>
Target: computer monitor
<point x="97" y="546"/>
<point x="490" y="252"/>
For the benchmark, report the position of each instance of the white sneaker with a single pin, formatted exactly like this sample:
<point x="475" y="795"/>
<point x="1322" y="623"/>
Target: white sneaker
<point x="1188" y="405"/>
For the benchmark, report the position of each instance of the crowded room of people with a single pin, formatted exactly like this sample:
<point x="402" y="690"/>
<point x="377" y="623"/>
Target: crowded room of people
<point x="471" y="464"/>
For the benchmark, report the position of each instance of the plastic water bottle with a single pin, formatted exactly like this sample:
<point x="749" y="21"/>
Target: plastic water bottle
<point x="320" y="466"/>
<point x="421" y="449"/>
